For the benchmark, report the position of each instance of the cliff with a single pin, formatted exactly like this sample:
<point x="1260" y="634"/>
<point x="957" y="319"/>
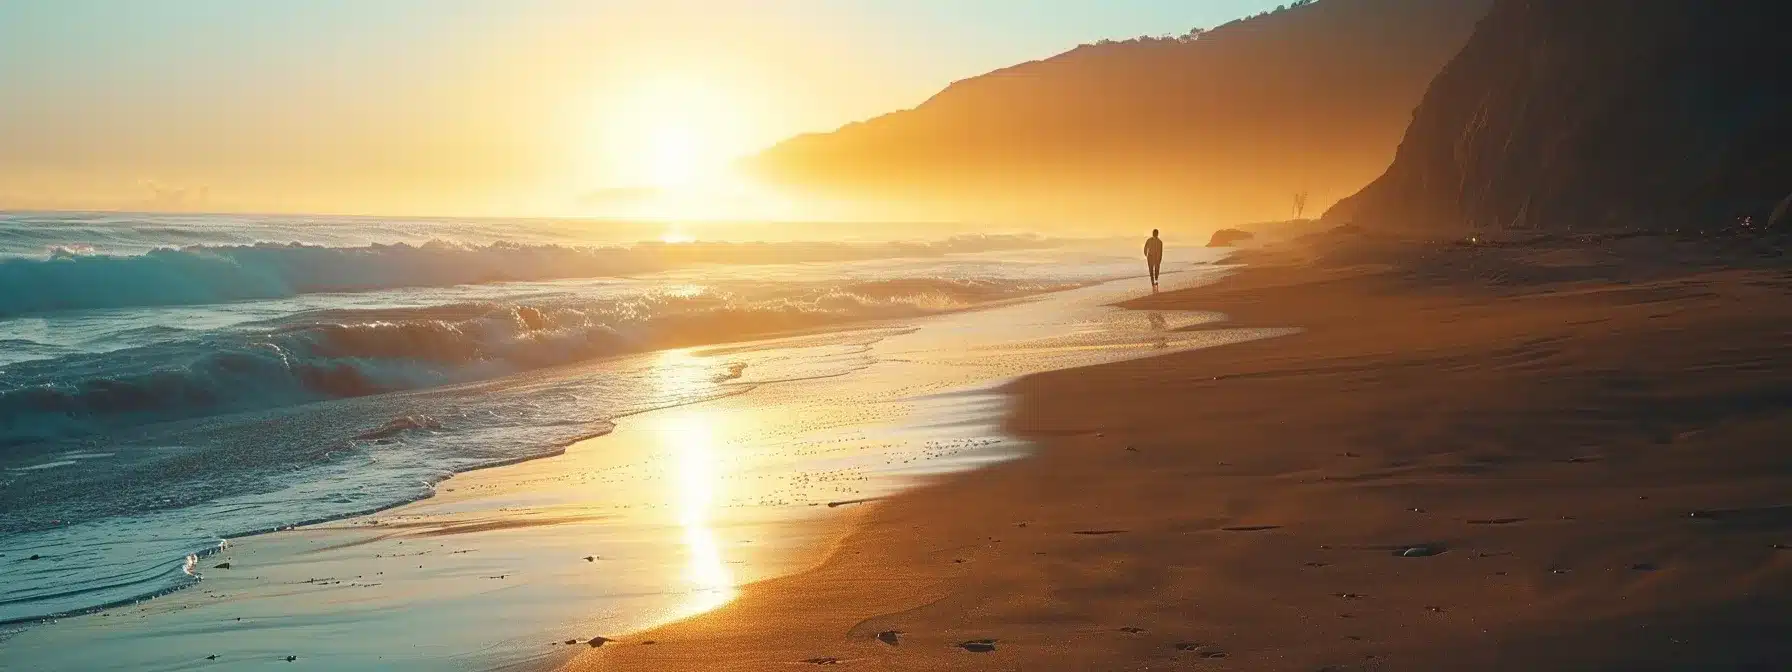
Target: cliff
<point x="1221" y="129"/>
<point x="1599" y="115"/>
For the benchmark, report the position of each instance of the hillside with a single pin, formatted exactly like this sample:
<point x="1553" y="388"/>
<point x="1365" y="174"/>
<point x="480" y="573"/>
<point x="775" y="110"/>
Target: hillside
<point x="1599" y="115"/>
<point x="1221" y="129"/>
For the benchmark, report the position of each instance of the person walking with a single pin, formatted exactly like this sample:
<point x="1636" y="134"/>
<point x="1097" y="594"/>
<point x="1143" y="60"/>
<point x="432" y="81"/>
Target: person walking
<point x="1154" y="254"/>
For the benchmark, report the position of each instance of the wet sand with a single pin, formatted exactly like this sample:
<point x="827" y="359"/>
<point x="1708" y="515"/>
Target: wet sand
<point x="1555" y="455"/>
<point x="792" y="440"/>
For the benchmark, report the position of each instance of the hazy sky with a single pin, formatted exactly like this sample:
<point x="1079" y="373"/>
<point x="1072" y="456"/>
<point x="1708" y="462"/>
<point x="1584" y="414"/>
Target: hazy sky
<point x="498" y="107"/>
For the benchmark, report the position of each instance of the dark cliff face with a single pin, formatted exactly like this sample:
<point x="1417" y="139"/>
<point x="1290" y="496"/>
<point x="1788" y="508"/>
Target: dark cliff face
<point x="1222" y="129"/>
<point x="1599" y="115"/>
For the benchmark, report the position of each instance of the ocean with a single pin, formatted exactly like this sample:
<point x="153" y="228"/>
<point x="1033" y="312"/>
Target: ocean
<point x="169" y="382"/>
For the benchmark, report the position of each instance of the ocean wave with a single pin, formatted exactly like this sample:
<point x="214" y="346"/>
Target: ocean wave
<point x="400" y="426"/>
<point x="351" y="353"/>
<point x="71" y="279"/>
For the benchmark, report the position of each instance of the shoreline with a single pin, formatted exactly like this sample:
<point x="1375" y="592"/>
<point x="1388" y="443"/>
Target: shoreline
<point x="679" y="505"/>
<point x="1479" y="457"/>
<point x="11" y="626"/>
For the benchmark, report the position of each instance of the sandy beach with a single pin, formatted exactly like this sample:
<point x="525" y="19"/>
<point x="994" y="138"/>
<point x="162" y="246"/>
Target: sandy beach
<point x="1553" y="454"/>
<point x="712" y="336"/>
<point x="762" y="455"/>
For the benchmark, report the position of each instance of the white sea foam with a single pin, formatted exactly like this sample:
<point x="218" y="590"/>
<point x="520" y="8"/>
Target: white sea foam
<point x="235" y="386"/>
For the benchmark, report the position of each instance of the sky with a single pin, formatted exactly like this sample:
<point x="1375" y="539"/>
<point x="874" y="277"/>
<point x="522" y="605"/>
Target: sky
<point x="478" y="107"/>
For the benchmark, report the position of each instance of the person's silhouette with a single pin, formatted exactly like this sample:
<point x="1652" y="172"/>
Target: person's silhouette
<point x="1154" y="254"/>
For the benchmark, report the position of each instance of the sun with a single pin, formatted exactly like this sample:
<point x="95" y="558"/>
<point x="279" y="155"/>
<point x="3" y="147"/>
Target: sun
<point x="672" y="156"/>
<point x="662" y="147"/>
<point x="669" y="132"/>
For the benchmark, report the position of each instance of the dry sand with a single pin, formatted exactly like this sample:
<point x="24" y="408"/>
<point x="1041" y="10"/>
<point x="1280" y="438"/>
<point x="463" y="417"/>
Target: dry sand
<point x="1544" y="456"/>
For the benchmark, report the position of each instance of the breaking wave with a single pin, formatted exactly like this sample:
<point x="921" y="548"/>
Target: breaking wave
<point x="70" y="279"/>
<point x="350" y="353"/>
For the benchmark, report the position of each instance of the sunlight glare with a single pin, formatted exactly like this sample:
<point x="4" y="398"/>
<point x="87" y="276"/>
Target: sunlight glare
<point x="671" y="132"/>
<point x="662" y="148"/>
<point x="674" y="152"/>
<point x="691" y="443"/>
<point x="694" y="445"/>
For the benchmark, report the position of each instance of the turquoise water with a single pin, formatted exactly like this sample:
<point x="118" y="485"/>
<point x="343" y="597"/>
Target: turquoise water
<point x="168" y="382"/>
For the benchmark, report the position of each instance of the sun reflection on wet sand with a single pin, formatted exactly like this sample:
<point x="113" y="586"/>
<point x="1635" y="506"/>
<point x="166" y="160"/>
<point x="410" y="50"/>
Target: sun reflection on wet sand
<point x="731" y="479"/>
<point x="689" y="440"/>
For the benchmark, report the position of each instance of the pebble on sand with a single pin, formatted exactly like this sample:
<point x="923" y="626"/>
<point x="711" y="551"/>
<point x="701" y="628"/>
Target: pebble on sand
<point x="599" y="641"/>
<point x="978" y="645"/>
<point x="221" y="565"/>
<point x="891" y="637"/>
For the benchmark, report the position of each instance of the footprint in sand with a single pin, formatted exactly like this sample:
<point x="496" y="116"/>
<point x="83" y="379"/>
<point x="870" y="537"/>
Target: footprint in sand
<point x="1202" y="650"/>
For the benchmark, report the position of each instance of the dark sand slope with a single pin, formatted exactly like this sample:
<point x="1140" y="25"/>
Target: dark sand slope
<point x="1580" y="449"/>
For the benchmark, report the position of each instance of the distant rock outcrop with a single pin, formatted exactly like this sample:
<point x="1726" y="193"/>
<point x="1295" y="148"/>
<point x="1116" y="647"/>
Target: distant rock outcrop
<point x="1223" y="127"/>
<point x="1599" y="115"/>
<point x="1229" y="237"/>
